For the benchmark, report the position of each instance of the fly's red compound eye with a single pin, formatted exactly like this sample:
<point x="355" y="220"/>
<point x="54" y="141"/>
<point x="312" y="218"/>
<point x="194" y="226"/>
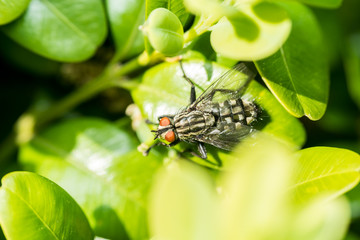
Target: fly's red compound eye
<point x="165" y="121"/>
<point x="170" y="136"/>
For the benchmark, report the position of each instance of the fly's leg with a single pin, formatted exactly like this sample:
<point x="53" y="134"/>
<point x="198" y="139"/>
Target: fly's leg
<point x="192" y="91"/>
<point x="202" y="150"/>
<point x="146" y="152"/>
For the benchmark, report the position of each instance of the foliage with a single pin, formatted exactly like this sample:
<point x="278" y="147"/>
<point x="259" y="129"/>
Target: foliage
<point x="73" y="164"/>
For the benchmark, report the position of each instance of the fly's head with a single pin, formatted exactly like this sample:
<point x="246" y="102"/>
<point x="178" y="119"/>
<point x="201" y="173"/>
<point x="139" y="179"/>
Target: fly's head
<point x="166" y="130"/>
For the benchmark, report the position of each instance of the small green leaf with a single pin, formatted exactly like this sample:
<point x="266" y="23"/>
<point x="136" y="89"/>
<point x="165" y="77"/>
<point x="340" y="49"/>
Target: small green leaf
<point x="246" y="35"/>
<point x="40" y="208"/>
<point x="60" y="30"/>
<point x="175" y="6"/>
<point x="99" y="165"/>
<point x="128" y="39"/>
<point x="164" y="91"/>
<point x="323" y="3"/>
<point x="10" y="10"/>
<point x="325" y="170"/>
<point x="298" y="73"/>
<point x="164" y="31"/>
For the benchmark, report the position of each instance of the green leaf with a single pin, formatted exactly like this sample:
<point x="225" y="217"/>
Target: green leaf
<point x="246" y="35"/>
<point x="182" y="203"/>
<point x="164" y="31"/>
<point x="32" y="207"/>
<point x="298" y="74"/>
<point x="323" y="3"/>
<point x="184" y="206"/>
<point x="175" y="6"/>
<point x="10" y="10"/>
<point x="352" y="66"/>
<point x="125" y="18"/>
<point x="60" y="30"/>
<point x="325" y="170"/>
<point x="98" y="164"/>
<point x="164" y="91"/>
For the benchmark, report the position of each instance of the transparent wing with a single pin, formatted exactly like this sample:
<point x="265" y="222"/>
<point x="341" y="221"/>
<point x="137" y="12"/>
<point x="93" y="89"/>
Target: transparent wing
<point x="229" y="85"/>
<point x="226" y="139"/>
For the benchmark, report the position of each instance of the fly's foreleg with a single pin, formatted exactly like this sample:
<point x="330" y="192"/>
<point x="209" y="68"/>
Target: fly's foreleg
<point x="192" y="91"/>
<point x="146" y="152"/>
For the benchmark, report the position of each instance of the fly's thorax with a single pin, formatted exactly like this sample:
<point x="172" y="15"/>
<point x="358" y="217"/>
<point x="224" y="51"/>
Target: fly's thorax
<point x="192" y="123"/>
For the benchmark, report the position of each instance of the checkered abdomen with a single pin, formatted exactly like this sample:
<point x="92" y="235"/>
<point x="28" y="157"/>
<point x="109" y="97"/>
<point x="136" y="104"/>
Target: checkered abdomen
<point x="234" y="113"/>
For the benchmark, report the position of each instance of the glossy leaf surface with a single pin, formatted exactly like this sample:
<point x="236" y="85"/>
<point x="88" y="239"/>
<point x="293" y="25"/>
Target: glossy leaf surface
<point x="60" y="30"/>
<point x="325" y="169"/>
<point x="10" y="10"/>
<point x="298" y="73"/>
<point x="98" y="164"/>
<point x="32" y="207"/>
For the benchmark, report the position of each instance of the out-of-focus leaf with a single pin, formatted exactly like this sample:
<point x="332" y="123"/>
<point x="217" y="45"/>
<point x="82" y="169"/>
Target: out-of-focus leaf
<point x="298" y="73"/>
<point x="26" y="60"/>
<point x="183" y="203"/>
<point x="165" y="91"/>
<point x="352" y="66"/>
<point x="10" y="10"/>
<point x="125" y="17"/>
<point x="60" y="30"/>
<point x="98" y="164"/>
<point x="262" y="168"/>
<point x="325" y="169"/>
<point x="323" y="3"/>
<point x="254" y="33"/>
<point x="41" y="208"/>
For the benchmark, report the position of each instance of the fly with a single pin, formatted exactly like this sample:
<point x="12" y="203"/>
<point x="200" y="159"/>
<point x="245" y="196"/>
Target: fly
<point x="219" y="116"/>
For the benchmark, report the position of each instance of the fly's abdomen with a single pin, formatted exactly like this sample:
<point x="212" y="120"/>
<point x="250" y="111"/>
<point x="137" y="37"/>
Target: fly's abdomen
<point x="235" y="112"/>
<point x="193" y="123"/>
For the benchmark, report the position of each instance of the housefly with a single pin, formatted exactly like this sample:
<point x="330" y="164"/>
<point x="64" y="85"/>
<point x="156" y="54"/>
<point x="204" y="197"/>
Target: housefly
<point x="219" y="116"/>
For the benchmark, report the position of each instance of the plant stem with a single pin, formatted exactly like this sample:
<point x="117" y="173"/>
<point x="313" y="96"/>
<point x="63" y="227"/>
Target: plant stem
<point x="111" y="76"/>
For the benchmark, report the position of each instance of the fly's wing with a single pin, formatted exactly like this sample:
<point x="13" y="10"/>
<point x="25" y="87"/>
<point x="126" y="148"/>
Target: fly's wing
<point x="228" y="86"/>
<point x="225" y="139"/>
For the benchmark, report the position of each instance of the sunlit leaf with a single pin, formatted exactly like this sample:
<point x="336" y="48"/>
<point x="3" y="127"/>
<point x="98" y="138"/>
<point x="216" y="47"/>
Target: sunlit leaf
<point x="298" y="73"/>
<point x="256" y="32"/>
<point x="60" y="30"/>
<point x="32" y="207"/>
<point x="325" y="170"/>
<point x="10" y="10"/>
<point x="99" y="166"/>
